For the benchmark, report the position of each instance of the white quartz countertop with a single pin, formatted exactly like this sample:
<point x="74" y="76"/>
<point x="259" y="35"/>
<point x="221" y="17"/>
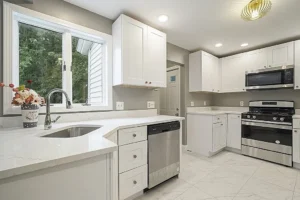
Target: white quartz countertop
<point x="214" y="112"/>
<point x="23" y="150"/>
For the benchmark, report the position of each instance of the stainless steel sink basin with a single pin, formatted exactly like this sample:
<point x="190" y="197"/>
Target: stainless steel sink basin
<point x="74" y="131"/>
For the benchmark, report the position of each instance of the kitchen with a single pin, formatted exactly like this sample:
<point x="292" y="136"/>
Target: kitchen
<point x="111" y="143"/>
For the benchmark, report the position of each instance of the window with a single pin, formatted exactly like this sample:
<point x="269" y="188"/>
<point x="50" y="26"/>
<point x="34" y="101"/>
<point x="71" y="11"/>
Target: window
<point x="56" y="54"/>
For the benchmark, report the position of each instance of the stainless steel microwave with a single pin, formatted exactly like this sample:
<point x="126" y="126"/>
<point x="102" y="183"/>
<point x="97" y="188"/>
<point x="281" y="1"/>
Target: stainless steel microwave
<point x="270" y="78"/>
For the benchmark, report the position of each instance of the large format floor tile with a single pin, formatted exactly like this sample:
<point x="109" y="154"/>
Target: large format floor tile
<point x="228" y="176"/>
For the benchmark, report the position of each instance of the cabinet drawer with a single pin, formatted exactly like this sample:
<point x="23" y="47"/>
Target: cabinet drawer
<point x="296" y="123"/>
<point x="219" y="119"/>
<point x="132" y="156"/>
<point x="133" y="181"/>
<point x="132" y="135"/>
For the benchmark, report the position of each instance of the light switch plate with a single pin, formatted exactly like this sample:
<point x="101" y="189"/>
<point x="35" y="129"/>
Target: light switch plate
<point x="119" y="105"/>
<point x="192" y="103"/>
<point x="150" y="104"/>
<point x="241" y="103"/>
<point x="204" y="103"/>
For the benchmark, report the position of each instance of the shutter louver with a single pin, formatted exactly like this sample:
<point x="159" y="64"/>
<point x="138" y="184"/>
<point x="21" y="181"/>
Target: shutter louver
<point x="95" y="74"/>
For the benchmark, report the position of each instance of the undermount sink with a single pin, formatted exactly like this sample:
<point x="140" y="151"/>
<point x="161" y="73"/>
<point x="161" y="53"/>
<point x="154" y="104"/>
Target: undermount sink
<point x="74" y="131"/>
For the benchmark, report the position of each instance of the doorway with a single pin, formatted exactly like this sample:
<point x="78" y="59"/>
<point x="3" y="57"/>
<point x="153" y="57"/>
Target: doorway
<point x="170" y="96"/>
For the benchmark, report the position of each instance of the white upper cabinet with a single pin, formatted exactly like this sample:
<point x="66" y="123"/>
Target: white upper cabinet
<point x="139" y="54"/>
<point x="280" y="55"/>
<point x="203" y="72"/>
<point x="297" y="65"/>
<point x="156" y="58"/>
<point x="233" y="73"/>
<point x="256" y="59"/>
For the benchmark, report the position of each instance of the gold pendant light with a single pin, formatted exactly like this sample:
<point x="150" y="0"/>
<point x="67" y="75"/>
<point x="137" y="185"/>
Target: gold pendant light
<point x="256" y="9"/>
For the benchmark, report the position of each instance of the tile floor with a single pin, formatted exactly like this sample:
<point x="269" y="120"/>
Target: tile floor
<point x="229" y="176"/>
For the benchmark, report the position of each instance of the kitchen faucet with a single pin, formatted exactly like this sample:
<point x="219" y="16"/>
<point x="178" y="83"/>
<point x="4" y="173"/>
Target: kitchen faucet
<point x="48" y="121"/>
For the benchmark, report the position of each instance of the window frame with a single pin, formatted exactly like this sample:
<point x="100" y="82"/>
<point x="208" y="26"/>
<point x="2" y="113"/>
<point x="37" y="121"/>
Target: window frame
<point x="12" y="15"/>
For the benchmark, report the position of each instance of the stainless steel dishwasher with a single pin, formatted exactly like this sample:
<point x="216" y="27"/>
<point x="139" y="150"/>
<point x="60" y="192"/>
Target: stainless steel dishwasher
<point x="163" y="152"/>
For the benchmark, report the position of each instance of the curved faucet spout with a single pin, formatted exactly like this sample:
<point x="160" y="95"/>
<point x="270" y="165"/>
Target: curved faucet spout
<point x="48" y="121"/>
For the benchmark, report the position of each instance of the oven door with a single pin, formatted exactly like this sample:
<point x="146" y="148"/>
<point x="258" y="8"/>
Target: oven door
<point x="265" y="79"/>
<point x="267" y="136"/>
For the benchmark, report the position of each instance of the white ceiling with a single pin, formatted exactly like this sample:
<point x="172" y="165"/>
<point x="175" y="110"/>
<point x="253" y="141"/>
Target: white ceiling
<point x="200" y="24"/>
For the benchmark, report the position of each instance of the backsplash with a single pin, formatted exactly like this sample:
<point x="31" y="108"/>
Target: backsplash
<point x="233" y="99"/>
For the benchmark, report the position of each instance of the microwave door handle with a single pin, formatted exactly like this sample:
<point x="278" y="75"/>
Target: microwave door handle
<point x="266" y="125"/>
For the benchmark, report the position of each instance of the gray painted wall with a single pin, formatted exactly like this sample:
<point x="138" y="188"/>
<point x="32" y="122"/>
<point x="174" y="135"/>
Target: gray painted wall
<point x="233" y="99"/>
<point x="133" y="98"/>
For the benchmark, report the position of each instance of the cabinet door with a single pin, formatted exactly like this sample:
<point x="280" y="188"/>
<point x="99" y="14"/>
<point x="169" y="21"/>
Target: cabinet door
<point x="216" y="76"/>
<point x="296" y="145"/>
<point x="280" y="55"/>
<point x="134" y="40"/>
<point x="297" y="65"/>
<point x="156" y="64"/>
<point x="233" y="73"/>
<point x="257" y="59"/>
<point x="219" y="136"/>
<point x="217" y="130"/>
<point x="207" y="72"/>
<point x="234" y="131"/>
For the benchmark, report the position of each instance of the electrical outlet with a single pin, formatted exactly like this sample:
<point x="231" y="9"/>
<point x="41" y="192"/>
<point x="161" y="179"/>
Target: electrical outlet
<point x="119" y="105"/>
<point x="192" y="103"/>
<point x="150" y="104"/>
<point x="204" y="103"/>
<point x="241" y="103"/>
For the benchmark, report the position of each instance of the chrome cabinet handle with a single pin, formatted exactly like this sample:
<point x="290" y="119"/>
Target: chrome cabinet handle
<point x="134" y="156"/>
<point x="134" y="135"/>
<point x="134" y="182"/>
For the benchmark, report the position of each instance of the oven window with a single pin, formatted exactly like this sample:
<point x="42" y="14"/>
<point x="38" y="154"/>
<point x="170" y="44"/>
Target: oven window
<point x="267" y="134"/>
<point x="267" y="78"/>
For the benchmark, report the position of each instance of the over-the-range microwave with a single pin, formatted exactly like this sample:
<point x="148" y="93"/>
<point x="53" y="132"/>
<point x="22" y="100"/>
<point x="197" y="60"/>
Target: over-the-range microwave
<point x="270" y="78"/>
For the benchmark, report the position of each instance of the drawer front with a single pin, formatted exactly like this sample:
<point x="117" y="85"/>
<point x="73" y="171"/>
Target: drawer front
<point x="296" y="123"/>
<point x="132" y="156"/>
<point x="133" y="181"/>
<point x="132" y="135"/>
<point x="219" y="119"/>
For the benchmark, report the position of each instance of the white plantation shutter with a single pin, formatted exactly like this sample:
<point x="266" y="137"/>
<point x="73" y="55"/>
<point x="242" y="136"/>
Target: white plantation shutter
<point x="95" y="74"/>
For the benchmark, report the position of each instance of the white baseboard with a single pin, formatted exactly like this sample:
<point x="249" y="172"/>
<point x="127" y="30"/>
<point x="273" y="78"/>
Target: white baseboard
<point x="238" y="151"/>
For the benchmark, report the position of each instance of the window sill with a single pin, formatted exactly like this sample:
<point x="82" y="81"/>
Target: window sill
<point x="61" y="109"/>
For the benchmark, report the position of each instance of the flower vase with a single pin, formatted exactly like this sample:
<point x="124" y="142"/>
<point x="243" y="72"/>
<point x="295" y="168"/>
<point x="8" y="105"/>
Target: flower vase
<point x="30" y="115"/>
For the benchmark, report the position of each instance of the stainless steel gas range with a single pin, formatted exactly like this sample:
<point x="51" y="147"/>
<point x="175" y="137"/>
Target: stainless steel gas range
<point x="267" y="131"/>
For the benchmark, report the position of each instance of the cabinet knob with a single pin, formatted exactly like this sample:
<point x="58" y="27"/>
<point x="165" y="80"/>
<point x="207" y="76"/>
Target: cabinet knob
<point x="277" y="142"/>
<point x="134" y="182"/>
<point x="297" y="86"/>
<point x="265" y="66"/>
<point x="146" y="82"/>
<point x="221" y="124"/>
<point x="134" y="156"/>
<point x="134" y="135"/>
<point x="149" y="82"/>
<point x="295" y="131"/>
<point x="270" y="66"/>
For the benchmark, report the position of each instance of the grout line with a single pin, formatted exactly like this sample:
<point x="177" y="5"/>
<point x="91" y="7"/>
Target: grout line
<point x="295" y="185"/>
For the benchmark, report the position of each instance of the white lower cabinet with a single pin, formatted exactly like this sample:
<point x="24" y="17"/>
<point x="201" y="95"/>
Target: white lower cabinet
<point x="133" y="181"/>
<point x="296" y="145"/>
<point x="206" y="134"/>
<point x="234" y="131"/>
<point x="133" y="168"/>
<point x="132" y="156"/>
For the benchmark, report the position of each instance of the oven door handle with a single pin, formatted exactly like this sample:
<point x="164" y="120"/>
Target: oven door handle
<point x="267" y="125"/>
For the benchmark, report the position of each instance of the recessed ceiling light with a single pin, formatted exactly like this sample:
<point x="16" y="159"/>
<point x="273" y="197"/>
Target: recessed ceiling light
<point x="163" y="18"/>
<point x="219" y="45"/>
<point x="244" y="44"/>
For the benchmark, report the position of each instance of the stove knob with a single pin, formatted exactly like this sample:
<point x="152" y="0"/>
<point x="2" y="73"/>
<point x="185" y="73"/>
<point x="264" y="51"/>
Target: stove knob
<point x="254" y="117"/>
<point x="282" y="119"/>
<point x="248" y="116"/>
<point x="274" y="118"/>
